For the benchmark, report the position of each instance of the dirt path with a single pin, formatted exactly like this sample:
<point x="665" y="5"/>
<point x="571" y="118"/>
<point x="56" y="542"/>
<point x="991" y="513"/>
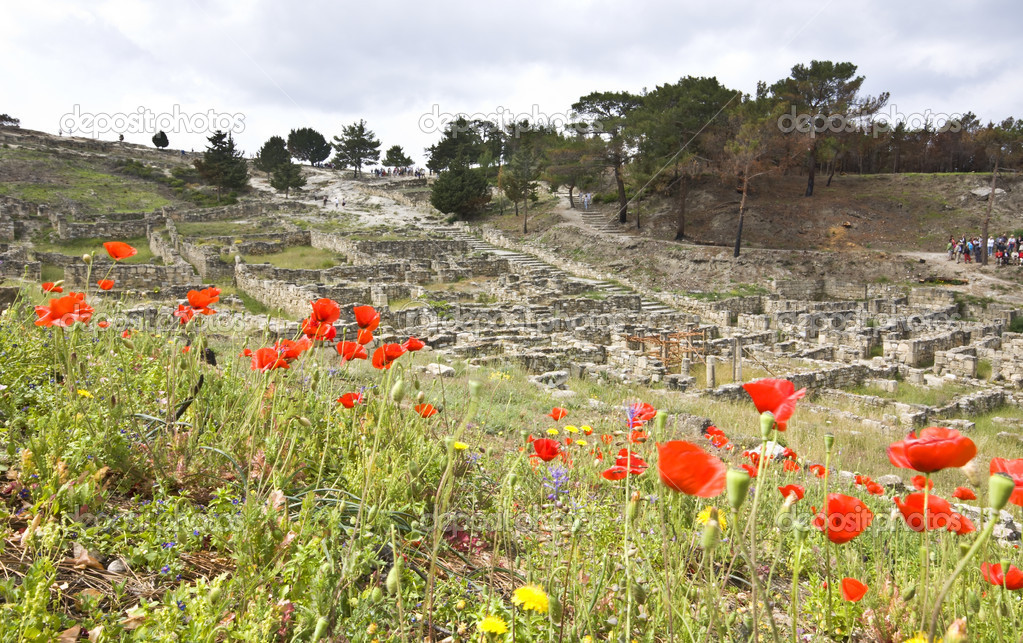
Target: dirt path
<point x="1001" y="282"/>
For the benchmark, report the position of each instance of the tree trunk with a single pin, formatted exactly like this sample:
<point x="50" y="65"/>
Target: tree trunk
<point x="525" y="214"/>
<point x="813" y="169"/>
<point x="834" y="163"/>
<point x="987" y="215"/>
<point x="623" y="203"/>
<point x="571" y="203"/>
<point x="683" y="193"/>
<point x="742" y="213"/>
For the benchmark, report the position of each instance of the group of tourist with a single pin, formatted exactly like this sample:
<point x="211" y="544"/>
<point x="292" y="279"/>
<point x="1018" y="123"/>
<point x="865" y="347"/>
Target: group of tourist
<point x="1002" y="251"/>
<point x="399" y="171"/>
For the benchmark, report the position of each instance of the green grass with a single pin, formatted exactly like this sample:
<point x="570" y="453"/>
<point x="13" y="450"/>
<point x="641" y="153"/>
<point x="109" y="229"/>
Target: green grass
<point x="221" y="229"/>
<point x="913" y="394"/>
<point x="299" y="258"/>
<point x="78" y="247"/>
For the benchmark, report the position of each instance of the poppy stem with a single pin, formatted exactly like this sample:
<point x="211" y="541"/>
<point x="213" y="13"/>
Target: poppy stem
<point x="828" y="544"/>
<point x="925" y="553"/>
<point x="939" y="599"/>
<point x="795" y="592"/>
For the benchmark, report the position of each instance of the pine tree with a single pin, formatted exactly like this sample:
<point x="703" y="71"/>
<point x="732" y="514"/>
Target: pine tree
<point x="306" y="144"/>
<point x="160" y="140"/>
<point x="286" y="176"/>
<point x="222" y="165"/>
<point x="395" y="157"/>
<point x="460" y="190"/>
<point x="273" y="154"/>
<point x="357" y="146"/>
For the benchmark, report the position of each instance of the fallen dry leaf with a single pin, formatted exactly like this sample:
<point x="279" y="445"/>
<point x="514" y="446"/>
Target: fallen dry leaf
<point x="70" y="635"/>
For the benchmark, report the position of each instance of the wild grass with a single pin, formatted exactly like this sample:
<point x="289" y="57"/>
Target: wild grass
<point x="299" y="258"/>
<point x="255" y="507"/>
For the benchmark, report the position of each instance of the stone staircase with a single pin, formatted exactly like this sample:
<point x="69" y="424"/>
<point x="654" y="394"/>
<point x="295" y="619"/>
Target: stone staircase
<point x="600" y="221"/>
<point x="530" y="262"/>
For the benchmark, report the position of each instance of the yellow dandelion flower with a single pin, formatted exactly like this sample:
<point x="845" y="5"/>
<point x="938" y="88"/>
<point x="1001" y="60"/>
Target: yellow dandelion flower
<point x="571" y="429"/>
<point x="461" y="446"/>
<point x="919" y="638"/>
<point x="704" y="517"/>
<point x="552" y="431"/>
<point x="587" y="639"/>
<point x="581" y="443"/>
<point x="530" y="598"/>
<point x="493" y="625"/>
<point x="84" y="393"/>
<point x="587" y="429"/>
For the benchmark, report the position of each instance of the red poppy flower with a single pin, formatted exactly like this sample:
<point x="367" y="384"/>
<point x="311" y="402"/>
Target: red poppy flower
<point x="326" y="311"/>
<point x="322" y="331"/>
<point x="685" y="467"/>
<point x="366" y="317"/>
<point x="607" y="438"/>
<point x="246" y="353"/>
<point x="751" y="470"/>
<point x="615" y="473"/>
<point x="557" y="413"/>
<point x="49" y="286"/>
<point x="939" y="512"/>
<point x="184" y="313"/>
<point x="351" y="350"/>
<point x="631" y="461"/>
<point x="713" y="430"/>
<point x="1013" y="469"/>
<point x="992" y="573"/>
<point x="267" y="359"/>
<point x="201" y="299"/>
<point x="961" y="525"/>
<point x="587" y="430"/>
<point x="846" y="518"/>
<point x="126" y="334"/>
<point x="719" y="440"/>
<point x="777" y="396"/>
<point x="119" y="250"/>
<point x="412" y="344"/>
<point x="818" y="470"/>
<point x="638" y="436"/>
<point x="853" y="590"/>
<point x="790" y="489"/>
<point x="791" y="466"/>
<point x="639" y="414"/>
<point x="291" y="350"/>
<point x="546" y="449"/>
<point x="364" y="336"/>
<point x="104" y="324"/>
<point x="920" y="481"/>
<point x="874" y="489"/>
<point x="862" y="480"/>
<point x="105" y="284"/>
<point x="384" y="355"/>
<point x="425" y="410"/>
<point x="186" y="349"/>
<point x="936" y="448"/>
<point x="789" y="453"/>
<point x="64" y="311"/>
<point x="964" y="493"/>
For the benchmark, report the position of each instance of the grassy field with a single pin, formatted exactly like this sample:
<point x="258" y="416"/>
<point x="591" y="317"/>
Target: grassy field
<point x="254" y="506"/>
<point x="79" y="247"/>
<point x="86" y="183"/>
<point x="299" y="258"/>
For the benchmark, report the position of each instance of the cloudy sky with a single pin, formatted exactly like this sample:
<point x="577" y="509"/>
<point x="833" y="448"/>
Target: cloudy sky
<point x="267" y="67"/>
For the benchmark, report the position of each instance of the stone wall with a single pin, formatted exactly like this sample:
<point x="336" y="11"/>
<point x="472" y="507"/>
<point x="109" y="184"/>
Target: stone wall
<point x="15" y="263"/>
<point x="362" y="252"/>
<point x="294" y="299"/>
<point x="246" y="210"/>
<point x="104" y="228"/>
<point x="961" y="362"/>
<point x="129" y="276"/>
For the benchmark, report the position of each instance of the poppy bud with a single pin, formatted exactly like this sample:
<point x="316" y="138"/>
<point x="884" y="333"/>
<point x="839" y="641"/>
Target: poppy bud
<point x="659" y="421"/>
<point x="576" y="526"/>
<point x="376" y="595"/>
<point x="128" y="343"/>
<point x="632" y="511"/>
<point x="711" y="535"/>
<point x="737" y="483"/>
<point x="415" y="383"/>
<point x="1004" y="610"/>
<point x="215" y="595"/>
<point x="554" y="607"/>
<point x="420" y="396"/>
<point x="393" y="582"/>
<point x="512" y="479"/>
<point x="766" y="424"/>
<point x="964" y="548"/>
<point x="304" y="421"/>
<point x="87" y="258"/>
<point x="999" y="490"/>
<point x="398" y="391"/>
<point x="320" y="630"/>
<point x="474" y="388"/>
<point x="316" y="376"/>
<point x="730" y="620"/>
<point x="638" y="593"/>
<point x="909" y="593"/>
<point x="829" y="441"/>
<point x="972" y="602"/>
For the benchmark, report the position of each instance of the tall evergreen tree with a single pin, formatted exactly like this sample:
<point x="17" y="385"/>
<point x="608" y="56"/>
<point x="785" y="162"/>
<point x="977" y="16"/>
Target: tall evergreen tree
<point x="273" y="154"/>
<point x="357" y="146"/>
<point x="222" y="165"/>
<point x="286" y="176"/>
<point x="306" y="144"/>
<point x="396" y="157"/>
<point x="460" y="190"/>
<point x="608" y="114"/>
